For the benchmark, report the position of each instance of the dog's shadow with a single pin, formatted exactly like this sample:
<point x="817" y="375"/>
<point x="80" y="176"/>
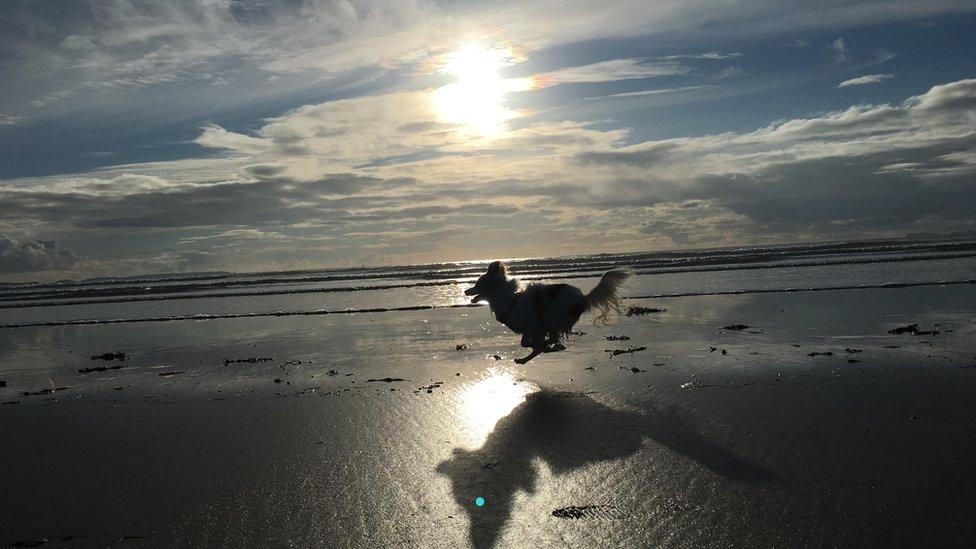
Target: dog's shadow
<point x="568" y="431"/>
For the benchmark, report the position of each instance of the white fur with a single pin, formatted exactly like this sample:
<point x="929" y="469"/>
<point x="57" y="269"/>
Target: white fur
<point x="605" y="297"/>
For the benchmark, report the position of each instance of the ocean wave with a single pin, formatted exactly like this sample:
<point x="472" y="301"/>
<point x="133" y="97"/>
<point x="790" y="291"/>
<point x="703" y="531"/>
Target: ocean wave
<point x="441" y="272"/>
<point x="166" y="293"/>
<point x="318" y="312"/>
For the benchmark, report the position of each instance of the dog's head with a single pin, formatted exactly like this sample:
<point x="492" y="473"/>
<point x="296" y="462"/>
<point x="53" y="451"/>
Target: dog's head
<point x="495" y="277"/>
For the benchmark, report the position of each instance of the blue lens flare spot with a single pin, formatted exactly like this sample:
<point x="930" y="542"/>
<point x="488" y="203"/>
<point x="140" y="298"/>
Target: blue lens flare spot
<point x="479" y="501"/>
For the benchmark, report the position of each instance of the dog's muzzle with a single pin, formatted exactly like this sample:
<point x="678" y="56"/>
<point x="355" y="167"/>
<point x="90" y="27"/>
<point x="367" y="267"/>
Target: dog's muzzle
<point x="474" y="291"/>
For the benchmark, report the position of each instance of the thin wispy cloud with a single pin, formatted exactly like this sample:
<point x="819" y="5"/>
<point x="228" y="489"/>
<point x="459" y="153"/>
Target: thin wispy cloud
<point x="645" y="93"/>
<point x="611" y="71"/>
<point x="9" y="120"/>
<point x="706" y="55"/>
<point x="866" y="79"/>
<point x="839" y="48"/>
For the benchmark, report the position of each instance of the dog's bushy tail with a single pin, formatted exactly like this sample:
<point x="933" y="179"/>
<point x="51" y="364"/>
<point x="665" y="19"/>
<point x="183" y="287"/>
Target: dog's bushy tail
<point x="605" y="298"/>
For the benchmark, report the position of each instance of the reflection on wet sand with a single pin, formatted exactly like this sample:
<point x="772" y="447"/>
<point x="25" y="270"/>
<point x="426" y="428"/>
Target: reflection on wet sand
<point x="568" y="431"/>
<point x="490" y="399"/>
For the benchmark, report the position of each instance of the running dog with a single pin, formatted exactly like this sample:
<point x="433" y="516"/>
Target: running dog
<point x="544" y="313"/>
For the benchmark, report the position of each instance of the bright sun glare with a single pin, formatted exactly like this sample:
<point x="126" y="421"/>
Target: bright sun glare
<point x="476" y="99"/>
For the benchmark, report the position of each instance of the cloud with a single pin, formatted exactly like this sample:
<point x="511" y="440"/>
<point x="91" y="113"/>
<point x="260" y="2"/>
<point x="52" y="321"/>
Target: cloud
<point x="24" y="256"/>
<point x="659" y="91"/>
<point x="126" y="54"/>
<point x="839" y="47"/>
<point x="610" y="71"/>
<point x="868" y="168"/>
<point x="866" y="79"/>
<point x="707" y="55"/>
<point x="10" y="119"/>
<point x="382" y="178"/>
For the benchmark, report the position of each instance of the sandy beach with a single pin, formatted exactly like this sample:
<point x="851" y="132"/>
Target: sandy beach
<point x="750" y="420"/>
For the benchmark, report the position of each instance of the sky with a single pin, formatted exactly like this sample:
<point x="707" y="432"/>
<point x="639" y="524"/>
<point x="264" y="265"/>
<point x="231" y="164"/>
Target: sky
<point x="247" y="135"/>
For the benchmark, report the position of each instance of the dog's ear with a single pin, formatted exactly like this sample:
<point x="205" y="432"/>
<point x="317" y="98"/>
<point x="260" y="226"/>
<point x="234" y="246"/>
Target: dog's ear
<point x="497" y="268"/>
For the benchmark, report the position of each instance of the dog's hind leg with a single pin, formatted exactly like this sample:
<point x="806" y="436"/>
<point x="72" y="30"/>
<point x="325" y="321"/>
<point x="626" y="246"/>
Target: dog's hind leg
<point x="552" y="342"/>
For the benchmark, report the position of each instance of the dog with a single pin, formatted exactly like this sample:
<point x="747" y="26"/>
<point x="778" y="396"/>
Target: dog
<point x="544" y="313"/>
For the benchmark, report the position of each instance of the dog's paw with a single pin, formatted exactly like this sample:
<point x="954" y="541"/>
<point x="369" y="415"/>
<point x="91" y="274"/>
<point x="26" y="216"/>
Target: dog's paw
<point x="521" y="360"/>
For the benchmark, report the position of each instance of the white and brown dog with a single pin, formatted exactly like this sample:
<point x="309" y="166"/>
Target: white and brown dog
<point x="543" y="313"/>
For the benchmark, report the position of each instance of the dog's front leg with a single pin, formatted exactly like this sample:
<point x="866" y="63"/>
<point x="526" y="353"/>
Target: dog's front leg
<point x="535" y="352"/>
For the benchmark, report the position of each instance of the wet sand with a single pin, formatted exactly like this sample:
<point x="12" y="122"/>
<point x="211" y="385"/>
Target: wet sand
<point x="748" y="420"/>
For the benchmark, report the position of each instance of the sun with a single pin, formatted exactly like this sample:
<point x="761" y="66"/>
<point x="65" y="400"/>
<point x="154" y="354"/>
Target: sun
<point x="476" y="100"/>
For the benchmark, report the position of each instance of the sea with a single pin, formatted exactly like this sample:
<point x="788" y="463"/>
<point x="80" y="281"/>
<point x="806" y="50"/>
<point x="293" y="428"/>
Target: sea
<point x="730" y="270"/>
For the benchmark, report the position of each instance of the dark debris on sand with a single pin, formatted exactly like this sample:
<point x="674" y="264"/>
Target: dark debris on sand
<point x="99" y="369"/>
<point x="387" y="379"/>
<point x="912" y="329"/>
<point x="37" y="542"/>
<point x="429" y="388"/>
<point x="249" y="360"/>
<point x="461" y="347"/>
<point x="615" y="352"/>
<point x="617" y="338"/>
<point x="44" y="391"/>
<point x="735" y="327"/>
<point x="118" y="355"/>
<point x="575" y="512"/>
<point x="169" y="374"/>
<point x="825" y="353"/>
<point x="636" y="310"/>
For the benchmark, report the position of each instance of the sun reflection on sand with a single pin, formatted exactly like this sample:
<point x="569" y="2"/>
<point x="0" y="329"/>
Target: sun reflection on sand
<point x="489" y="399"/>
